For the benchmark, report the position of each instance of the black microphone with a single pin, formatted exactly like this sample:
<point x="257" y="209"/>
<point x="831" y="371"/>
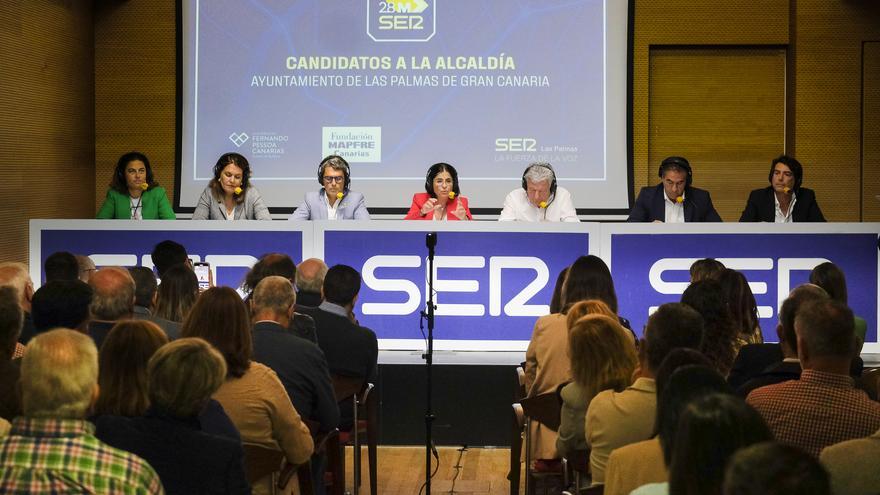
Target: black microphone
<point x="431" y="240"/>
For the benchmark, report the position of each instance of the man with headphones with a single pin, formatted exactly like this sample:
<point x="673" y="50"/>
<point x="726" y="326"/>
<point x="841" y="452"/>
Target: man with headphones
<point x="539" y="199"/>
<point x="334" y="201"/>
<point x="674" y="200"/>
<point x="784" y="201"/>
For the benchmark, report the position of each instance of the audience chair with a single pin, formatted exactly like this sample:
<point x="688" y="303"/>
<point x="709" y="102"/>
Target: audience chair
<point x="260" y="461"/>
<point x="365" y="414"/>
<point x="870" y="382"/>
<point x="577" y="463"/>
<point x="322" y="441"/>
<point x="516" y="432"/>
<point x="544" y="409"/>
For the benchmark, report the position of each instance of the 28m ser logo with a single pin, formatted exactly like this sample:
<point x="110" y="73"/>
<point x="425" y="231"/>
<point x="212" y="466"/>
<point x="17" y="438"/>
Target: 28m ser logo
<point x="497" y="265"/>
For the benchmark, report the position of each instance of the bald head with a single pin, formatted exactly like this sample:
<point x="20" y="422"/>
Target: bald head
<point x="310" y="275"/>
<point x="16" y="275"/>
<point x="273" y="299"/>
<point x="114" y="292"/>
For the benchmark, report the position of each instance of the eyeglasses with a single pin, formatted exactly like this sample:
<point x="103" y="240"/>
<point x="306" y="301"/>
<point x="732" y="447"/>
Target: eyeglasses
<point x="328" y="179"/>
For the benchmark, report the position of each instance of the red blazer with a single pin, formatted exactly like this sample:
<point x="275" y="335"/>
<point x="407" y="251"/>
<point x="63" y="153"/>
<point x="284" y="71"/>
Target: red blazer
<point x="415" y="211"/>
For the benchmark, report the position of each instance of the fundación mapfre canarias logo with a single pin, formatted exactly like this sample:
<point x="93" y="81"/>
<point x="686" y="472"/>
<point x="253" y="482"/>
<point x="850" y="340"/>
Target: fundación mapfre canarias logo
<point x="401" y="20"/>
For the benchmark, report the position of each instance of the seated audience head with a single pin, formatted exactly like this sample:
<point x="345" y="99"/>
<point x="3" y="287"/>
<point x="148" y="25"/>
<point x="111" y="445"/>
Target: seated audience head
<point x="16" y="276"/>
<point x="167" y="254"/>
<point x="706" y="268"/>
<point x="588" y="307"/>
<point x="86" y="267"/>
<point x="741" y="303"/>
<point x="62" y="303"/>
<point x="59" y="375"/>
<point x="831" y="278"/>
<point x="221" y="318"/>
<point x="801" y="295"/>
<point x="673" y="325"/>
<point x="11" y="319"/>
<point x="278" y="264"/>
<point x="441" y="177"/>
<point x="310" y="275"/>
<point x="123" y="367"/>
<point x="826" y="337"/>
<point x="680" y="386"/>
<point x="144" y="286"/>
<point x="556" y="302"/>
<point x="177" y="293"/>
<point x="602" y="353"/>
<point x="785" y="171"/>
<point x="342" y="285"/>
<point x="589" y="278"/>
<point x="132" y="170"/>
<point x="183" y="375"/>
<point x="710" y="431"/>
<point x="719" y="337"/>
<point x="61" y="265"/>
<point x="273" y="298"/>
<point x="113" y="297"/>
<point x="771" y="468"/>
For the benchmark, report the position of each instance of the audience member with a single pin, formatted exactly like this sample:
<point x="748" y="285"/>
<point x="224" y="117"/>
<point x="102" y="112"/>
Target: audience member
<point x="112" y="300"/>
<point x="743" y="308"/>
<point x="181" y="378"/>
<point x="831" y="278"/>
<point x="86" y="267"/>
<point x="62" y="303"/>
<point x="706" y="268"/>
<point x="823" y="407"/>
<point x="309" y="281"/>
<point x="719" y="339"/>
<point x="853" y="465"/>
<point x="756" y="361"/>
<point x="615" y="419"/>
<point x="710" y="431"/>
<point x="640" y="463"/>
<point x="300" y="364"/>
<point x="175" y="298"/>
<point x="51" y="448"/>
<point x="11" y="318"/>
<point x="281" y="265"/>
<point x="167" y="254"/>
<point x="772" y="468"/>
<point x="602" y="357"/>
<point x="144" y="291"/>
<point x="61" y="265"/>
<point x="252" y="394"/>
<point x="16" y="276"/>
<point x="122" y="365"/>
<point x="556" y="299"/>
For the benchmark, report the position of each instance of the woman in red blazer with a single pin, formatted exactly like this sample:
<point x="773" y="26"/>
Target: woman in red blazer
<point x="442" y="199"/>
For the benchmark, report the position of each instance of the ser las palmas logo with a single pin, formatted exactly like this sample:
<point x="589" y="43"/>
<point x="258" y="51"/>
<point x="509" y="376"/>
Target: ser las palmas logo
<point x="401" y="20"/>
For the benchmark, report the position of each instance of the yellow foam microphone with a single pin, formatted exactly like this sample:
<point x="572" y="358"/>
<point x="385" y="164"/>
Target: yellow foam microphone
<point x="144" y="186"/>
<point x="238" y="190"/>
<point x="786" y="189"/>
<point x="451" y="194"/>
<point x="679" y="199"/>
<point x="542" y="204"/>
<point x="339" y="195"/>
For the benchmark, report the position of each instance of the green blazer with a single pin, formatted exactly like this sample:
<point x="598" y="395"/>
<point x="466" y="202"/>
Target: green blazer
<point x="154" y="204"/>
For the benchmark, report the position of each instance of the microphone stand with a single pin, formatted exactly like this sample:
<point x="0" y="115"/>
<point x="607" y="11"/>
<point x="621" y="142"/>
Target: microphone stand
<point x="430" y="242"/>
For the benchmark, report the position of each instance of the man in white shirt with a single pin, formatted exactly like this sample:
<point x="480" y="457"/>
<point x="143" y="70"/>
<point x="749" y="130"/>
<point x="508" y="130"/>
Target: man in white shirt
<point x="539" y="199"/>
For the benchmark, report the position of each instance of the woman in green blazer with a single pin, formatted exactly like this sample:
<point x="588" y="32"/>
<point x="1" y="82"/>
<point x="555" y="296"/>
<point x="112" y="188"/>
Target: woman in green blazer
<point x="133" y="193"/>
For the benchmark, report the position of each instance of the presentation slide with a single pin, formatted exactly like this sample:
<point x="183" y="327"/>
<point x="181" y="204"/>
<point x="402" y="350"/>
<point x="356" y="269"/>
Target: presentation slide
<point x="396" y="86"/>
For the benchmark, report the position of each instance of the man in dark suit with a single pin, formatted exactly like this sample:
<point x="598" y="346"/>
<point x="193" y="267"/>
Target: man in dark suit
<point x="309" y="280"/>
<point x="784" y="200"/>
<point x="674" y="200"/>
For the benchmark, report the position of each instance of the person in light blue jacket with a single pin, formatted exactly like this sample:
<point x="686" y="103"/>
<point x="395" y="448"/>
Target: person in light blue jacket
<point x="334" y="201"/>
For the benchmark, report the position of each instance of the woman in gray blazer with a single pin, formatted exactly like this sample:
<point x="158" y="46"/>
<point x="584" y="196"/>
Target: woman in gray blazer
<point x="230" y="195"/>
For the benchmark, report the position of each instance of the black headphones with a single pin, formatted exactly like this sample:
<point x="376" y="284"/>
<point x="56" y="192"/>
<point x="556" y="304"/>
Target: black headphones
<point x="552" y="182"/>
<point x="346" y="170"/>
<point x="677" y="162"/>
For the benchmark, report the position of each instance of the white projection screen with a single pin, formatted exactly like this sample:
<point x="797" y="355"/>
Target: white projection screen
<point x="395" y="86"/>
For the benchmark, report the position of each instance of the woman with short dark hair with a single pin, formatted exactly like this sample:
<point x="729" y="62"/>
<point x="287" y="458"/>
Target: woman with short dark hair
<point x="442" y="199"/>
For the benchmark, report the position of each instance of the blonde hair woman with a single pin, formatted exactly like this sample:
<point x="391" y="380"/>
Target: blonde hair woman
<point x="603" y="357"/>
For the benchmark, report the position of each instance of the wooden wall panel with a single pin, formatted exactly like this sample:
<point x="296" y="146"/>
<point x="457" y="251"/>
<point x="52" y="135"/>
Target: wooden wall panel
<point x="135" y="87"/>
<point x="871" y="132"/>
<point x="722" y="109"/>
<point x="46" y="117"/>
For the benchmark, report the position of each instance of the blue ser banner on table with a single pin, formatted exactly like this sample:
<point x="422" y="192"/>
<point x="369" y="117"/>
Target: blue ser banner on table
<point x="120" y="243"/>
<point x="650" y="269"/>
<point x="490" y="286"/>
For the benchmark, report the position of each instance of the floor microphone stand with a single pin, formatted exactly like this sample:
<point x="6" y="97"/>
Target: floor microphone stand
<point x="431" y="242"/>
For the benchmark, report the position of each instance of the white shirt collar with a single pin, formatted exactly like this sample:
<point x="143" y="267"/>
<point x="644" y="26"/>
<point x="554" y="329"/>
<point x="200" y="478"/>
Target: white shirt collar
<point x="674" y="211"/>
<point x="779" y="216"/>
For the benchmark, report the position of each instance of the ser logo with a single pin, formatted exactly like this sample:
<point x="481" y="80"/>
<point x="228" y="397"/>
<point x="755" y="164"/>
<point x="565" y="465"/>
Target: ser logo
<point x="516" y="144"/>
<point x="401" y="20"/>
<point x="415" y="297"/>
<point x="784" y="267"/>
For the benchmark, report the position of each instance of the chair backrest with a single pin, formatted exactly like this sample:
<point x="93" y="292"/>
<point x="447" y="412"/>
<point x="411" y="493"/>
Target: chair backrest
<point x="544" y="408"/>
<point x="521" y="382"/>
<point x="870" y="380"/>
<point x="347" y="386"/>
<point x="260" y="461"/>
